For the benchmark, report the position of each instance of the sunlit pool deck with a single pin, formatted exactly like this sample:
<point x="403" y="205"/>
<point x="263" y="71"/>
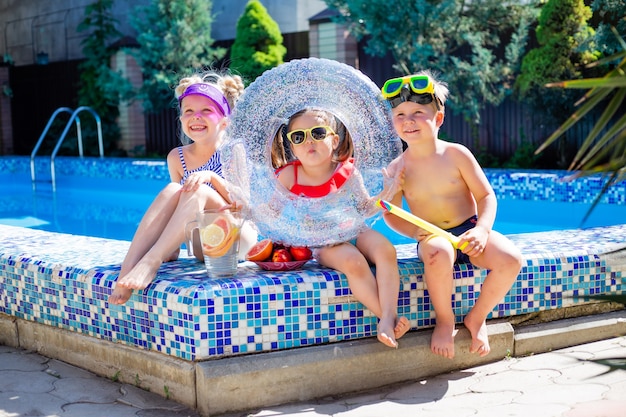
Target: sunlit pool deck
<point x="53" y="286"/>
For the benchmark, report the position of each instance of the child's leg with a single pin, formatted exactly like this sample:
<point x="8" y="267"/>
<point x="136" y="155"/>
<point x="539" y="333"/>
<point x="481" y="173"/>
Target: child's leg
<point x="189" y="203"/>
<point x="438" y="257"/>
<point x="379" y="251"/>
<point x="350" y="261"/>
<point x="150" y="228"/>
<point x="504" y="261"/>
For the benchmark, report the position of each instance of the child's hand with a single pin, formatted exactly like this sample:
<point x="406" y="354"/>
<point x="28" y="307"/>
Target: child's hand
<point x="393" y="181"/>
<point x="238" y="205"/>
<point x="195" y="180"/>
<point x="476" y="239"/>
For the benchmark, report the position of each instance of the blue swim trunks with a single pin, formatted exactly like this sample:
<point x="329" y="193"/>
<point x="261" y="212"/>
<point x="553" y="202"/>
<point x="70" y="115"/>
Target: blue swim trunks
<point x="462" y="258"/>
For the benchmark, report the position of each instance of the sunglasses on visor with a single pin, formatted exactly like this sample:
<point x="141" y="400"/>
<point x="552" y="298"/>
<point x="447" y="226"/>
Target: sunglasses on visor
<point x="298" y="136"/>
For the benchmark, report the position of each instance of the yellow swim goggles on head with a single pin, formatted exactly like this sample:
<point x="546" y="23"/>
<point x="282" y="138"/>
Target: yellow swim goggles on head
<point x="420" y="90"/>
<point x="419" y="84"/>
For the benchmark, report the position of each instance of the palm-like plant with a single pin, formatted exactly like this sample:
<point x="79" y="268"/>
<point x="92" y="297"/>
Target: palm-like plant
<point x="606" y="153"/>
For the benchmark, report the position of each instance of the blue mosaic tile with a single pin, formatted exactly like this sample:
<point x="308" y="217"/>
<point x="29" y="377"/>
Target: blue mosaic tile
<point x="64" y="281"/>
<point x="185" y="314"/>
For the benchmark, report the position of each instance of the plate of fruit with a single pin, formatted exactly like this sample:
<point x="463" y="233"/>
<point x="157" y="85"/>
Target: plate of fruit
<point x="272" y="256"/>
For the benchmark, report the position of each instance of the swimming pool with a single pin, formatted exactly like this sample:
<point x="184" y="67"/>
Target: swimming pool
<point x="63" y="281"/>
<point x="529" y="216"/>
<point x="107" y="198"/>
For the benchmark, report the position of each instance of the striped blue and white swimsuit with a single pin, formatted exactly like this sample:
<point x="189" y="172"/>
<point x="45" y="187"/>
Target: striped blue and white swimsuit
<point x="214" y="164"/>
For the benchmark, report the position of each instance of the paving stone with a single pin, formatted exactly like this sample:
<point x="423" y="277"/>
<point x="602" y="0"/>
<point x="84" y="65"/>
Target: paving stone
<point x="614" y="351"/>
<point x="98" y="410"/>
<point x="27" y="382"/>
<point x="386" y="408"/>
<point x="553" y="360"/>
<point x="22" y="361"/>
<point x="142" y="399"/>
<point x="14" y="404"/>
<point x="65" y="370"/>
<point x="462" y="381"/>
<point x="589" y="372"/>
<point x="613" y="408"/>
<point x="492" y="368"/>
<point x="523" y="410"/>
<point x="567" y="395"/>
<point x="513" y="380"/>
<point x="618" y="392"/>
<point x="474" y="400"/>
<point x="94" y="390"/>
<point x="300" y="410"/>
<point x="417" y="409"/>
<point x="168" y="413"/>
<point x="427" y="390"/>
<point x="555" y="384"/>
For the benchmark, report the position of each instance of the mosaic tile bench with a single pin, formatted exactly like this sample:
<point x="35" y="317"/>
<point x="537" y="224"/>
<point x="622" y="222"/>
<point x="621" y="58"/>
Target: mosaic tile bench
<point x="63" y="281"/>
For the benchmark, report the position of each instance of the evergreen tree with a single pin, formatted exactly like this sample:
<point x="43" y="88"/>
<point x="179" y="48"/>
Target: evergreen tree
<point x="562" y="29"/>
<point x="100" y="87"/>
<point x="476" y="46"/>
<point x="258" y="44"/>
<point x="611" y="14"/>
<point x="175" y="40"/>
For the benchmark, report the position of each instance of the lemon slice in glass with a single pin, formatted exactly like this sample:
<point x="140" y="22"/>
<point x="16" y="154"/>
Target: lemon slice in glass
<point x="212" y="235"/>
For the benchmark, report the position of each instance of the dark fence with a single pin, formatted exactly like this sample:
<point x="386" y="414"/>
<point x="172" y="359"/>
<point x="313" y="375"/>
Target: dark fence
<point x="162" y="132"/>
<point x="38" y="90"/>
<point x="503" y="129"/>
<point x="506" y="127"/>
<point x="162" y="129"/>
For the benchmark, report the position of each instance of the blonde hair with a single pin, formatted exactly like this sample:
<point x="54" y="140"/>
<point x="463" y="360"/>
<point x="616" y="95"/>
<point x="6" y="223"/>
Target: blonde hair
<point x="441" y="87"/>
<point x="281" y="147"/>
<point x="231" y="86"/>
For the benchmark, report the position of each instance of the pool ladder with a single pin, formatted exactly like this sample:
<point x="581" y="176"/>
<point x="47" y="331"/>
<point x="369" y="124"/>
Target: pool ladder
<point x="73" y="117"/>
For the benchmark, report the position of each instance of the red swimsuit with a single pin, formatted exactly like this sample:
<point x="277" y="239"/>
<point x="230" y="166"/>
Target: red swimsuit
<point x="342" y="173"/>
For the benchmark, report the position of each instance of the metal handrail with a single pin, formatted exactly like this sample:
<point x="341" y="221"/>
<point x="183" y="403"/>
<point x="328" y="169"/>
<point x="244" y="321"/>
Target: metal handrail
<point x="74" y="116"/>
<point x="80" y="139"/>
<point x="43" y="135"/>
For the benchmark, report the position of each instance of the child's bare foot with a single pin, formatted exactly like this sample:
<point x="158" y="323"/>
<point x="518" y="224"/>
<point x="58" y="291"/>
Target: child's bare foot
<point x="386" y="333"/>
<point x="480" y="338"/>
<point x="120" y="295"/>
<point x="140" y="276"/>
<point x="442" y="341"/>
<point x="402" y="326"/>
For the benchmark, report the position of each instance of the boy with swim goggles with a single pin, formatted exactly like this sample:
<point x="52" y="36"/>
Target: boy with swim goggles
<point x="416" y="88"/>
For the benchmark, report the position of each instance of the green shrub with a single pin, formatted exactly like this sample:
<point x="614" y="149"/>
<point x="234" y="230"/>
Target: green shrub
<point x="175" y="40"/>
<point x="258" y="44"/>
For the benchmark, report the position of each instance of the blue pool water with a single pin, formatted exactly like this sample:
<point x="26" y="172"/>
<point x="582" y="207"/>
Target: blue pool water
<point x="528" y="216"/>
<point x="95" y="202"/>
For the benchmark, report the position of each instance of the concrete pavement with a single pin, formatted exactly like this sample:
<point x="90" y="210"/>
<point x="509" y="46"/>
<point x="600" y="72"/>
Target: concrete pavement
<point x="561" y="383"/>
<point x="565" y="382"/>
